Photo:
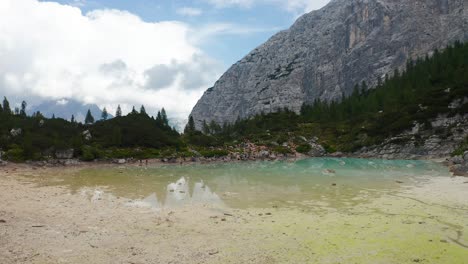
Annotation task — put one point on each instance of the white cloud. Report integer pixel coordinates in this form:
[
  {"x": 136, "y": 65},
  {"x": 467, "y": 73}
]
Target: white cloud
[
  {"x": 294, "y": 6},
  {"x": 189, "y": 11},
  {"x": 105, "y": 57}
]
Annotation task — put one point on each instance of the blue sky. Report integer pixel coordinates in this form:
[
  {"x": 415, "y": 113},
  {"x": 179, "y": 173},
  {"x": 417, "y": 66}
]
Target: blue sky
[{"x": 131, "y": 52}]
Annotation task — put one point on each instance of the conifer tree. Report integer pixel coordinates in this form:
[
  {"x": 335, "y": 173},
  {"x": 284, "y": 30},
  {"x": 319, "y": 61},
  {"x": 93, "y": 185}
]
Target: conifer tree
[
  {"x": 205, "y": 128},
  {"x": 72, "y": 119},
  {"x": 118, "y": 113},
  {"x": 190, "y": 127},
  {"x": 6, "y": 106},
  {"x": 142, "y": 110},
  {"x": 104, "y": 114},
  {"x": 164, "y": 118},
  {"x": 89, "y": 118},
  {"x": 134, "y": 111},
  {"x": 23, "y": 108}
]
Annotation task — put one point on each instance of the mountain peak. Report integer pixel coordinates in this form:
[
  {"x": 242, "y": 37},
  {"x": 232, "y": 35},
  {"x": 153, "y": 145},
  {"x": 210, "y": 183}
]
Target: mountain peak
[{"x": 327, "y": 52}]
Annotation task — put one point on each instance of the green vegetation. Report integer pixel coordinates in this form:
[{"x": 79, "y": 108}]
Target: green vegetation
[
  {"x": 367, "y": 116},
  {"x": 428, "y": 87},
  {"x": 35, "y": 137}
]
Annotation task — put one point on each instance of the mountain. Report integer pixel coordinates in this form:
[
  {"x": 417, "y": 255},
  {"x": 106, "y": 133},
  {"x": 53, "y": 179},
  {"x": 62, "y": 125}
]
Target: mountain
[
  {"x": 65, "y": 108},
  {"x": 327, "y": 52}
]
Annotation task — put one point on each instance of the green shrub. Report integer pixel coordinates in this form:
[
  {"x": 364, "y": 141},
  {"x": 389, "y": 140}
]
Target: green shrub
[
  {"x": 304, "y": 148},
  {"x": 462, "y": 148},
  {"x": 15, "y": 154},
  {"x": 282, "y": 150},
  {"x": 89, "y": 153}
]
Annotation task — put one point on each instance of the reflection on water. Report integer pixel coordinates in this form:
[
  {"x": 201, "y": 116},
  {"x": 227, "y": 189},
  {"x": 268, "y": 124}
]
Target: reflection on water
[
  {"x": 178, "y": 194},
  {"x": 312, "y": 183}
]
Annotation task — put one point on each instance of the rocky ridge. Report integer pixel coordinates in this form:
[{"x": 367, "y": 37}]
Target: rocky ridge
[{"x": 326, "y": 52}]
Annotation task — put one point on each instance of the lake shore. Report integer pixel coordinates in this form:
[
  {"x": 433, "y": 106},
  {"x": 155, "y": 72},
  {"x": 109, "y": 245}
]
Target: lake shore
[{"x": 45, "y": 223}]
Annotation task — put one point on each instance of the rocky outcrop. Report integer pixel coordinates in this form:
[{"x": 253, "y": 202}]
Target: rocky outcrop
[
  {"x": 439, "y": 141},
  {"x": 459, "y": 165},
  {"x": 64, "y": 154},
  {"x": 326, "y": 52},
  {"x": 14, "y": 132}
]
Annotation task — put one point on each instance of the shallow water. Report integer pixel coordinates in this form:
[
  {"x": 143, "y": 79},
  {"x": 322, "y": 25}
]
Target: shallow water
[
  {"x": 307, "y": 184},
  {"x": 321, "y": 210}
]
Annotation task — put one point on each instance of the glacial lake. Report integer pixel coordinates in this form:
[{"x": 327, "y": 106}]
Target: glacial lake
[
  {"x": 321, "y": 210},
  {"x": 305, "y": 184}
]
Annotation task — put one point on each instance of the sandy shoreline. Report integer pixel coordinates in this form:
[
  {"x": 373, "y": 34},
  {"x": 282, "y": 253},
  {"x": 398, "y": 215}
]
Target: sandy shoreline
[{"x": 48, "y": 224}]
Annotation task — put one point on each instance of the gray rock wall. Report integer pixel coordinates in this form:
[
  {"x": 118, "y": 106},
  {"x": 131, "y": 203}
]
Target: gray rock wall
[{"x": 326, "y": 52}]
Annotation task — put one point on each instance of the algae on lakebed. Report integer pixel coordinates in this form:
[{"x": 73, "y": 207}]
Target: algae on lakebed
[
  {"x": 309, "y": 211},
  {"x": 307, "y": 184}
]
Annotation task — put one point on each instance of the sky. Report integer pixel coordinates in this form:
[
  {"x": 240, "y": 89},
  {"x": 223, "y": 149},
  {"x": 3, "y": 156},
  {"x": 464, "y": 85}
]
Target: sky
[{"x": 159, "y": 53}]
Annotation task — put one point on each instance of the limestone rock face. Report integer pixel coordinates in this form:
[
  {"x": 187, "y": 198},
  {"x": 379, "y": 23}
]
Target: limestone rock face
[{"x": 326, "y": 52}]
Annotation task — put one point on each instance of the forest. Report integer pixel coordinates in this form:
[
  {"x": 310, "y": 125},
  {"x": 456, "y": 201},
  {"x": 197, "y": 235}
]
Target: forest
[{"x": 424, "y": 89}]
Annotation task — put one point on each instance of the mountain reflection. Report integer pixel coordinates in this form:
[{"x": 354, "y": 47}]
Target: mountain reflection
[{"x": 178, "y": 194}]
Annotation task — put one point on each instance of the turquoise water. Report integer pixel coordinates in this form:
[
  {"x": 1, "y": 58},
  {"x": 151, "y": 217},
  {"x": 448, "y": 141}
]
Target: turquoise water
[{"x": 307, "y": 184}]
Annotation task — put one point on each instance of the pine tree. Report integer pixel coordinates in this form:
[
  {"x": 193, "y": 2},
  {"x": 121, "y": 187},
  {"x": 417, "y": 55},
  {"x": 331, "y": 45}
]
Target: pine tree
[
  {"x": 142, "y": 110},
  {"x": 159, "y": 118},
  {"x": 190, "y": 127},
  {"x": 6, "y": 106},
  {"x": 134, "y": 112},
  {"x": 23, "y": 108},
  {"x": 104, "y": 114},
  {"x": 53, "y": 116},
  {"x": 205, "y": 128},
  {"x": 89, "y": 118},
  {"x": 164, "y": 118},
  {"x": 118, "y": 113},
  {"x": 72, "y": 119}
]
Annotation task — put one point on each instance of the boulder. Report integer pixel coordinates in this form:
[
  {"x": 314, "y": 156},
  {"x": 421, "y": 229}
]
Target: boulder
[
  {"x": 456, "y": 160},
  {"x": 64, "y": 154},
  {"x": 16, "y": 132},
  {"x": 87, "y": 135},
  {"x": 316, "y": 150},
  {"x": 120, "y": 161}
]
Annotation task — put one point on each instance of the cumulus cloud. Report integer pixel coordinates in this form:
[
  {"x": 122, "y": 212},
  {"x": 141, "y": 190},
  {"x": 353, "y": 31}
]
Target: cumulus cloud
[
  {"x": 189, "y": 11},
  {"x": 107, "y": 57}
]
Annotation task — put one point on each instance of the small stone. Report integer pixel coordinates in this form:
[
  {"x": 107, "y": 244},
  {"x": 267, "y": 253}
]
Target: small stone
[
  {"x": 2, "y": 221},
  {"x": 214, "y": 252}
]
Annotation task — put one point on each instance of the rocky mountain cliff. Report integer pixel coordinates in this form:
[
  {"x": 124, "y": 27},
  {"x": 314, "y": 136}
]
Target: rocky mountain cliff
[{"x": 326, "y": 52}]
